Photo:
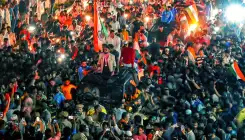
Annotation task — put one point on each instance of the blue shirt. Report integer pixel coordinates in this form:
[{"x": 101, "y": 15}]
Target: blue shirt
[
  {"x": 80, "y": 71},
  {"x": 174, "y": 12},
  {"x": 167, "y": 16},
  {"x": 59, "y": 98}
]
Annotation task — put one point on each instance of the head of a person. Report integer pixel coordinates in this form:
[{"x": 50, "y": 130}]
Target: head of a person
[
  {"x": 125, "y": 116},
  {"x": 169, "y": 8},
  {"x": 67, "y": 82},
  {"x": 106, "y": 48},
  {"x": 112, "y": 34},
  {"x": 111, "y": 47},
  {"x": 58, "y": 89},
  {"x": 188, "y": 127},
  {"x": 97, "y": 109},
  {"x": 161, "y": 28},
  {"x": 5, "y": 40},
  {"x": 84, "y": 64},
  {"x": 140, "y": 130},
  {"x": 8, "y": 29},
  {"x": 79, "y": 108},
  {"x": 167, "y": 51},
  {"x": 123, "y": 27}
]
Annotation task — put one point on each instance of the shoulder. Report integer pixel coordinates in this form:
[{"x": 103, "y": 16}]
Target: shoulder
[{"x": 112, "y": 55}]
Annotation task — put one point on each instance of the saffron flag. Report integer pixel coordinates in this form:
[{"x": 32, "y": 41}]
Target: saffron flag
[
  {"x": 191, "y": 55},
  {"x": 236, "y": 71},
  {"x": 96, "y": 36},
  {"x": 192, "y": 14}
]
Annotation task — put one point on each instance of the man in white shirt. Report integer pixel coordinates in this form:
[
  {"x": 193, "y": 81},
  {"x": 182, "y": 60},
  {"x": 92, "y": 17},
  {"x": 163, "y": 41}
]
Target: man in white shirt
[
  {"x": 115, "y": 24},
  {"x": 115, "y": 41}
]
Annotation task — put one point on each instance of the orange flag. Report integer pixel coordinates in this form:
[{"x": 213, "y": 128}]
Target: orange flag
[{"x": 96, "y": 22}]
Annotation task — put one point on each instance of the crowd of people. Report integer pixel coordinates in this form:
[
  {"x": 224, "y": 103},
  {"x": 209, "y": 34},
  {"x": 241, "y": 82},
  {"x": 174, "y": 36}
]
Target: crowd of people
[{"x": 191, "y": 82}]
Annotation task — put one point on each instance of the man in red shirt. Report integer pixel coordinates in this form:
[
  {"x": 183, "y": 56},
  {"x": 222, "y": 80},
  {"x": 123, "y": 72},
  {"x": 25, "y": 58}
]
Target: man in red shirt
[{"x": 128, "y": 55}]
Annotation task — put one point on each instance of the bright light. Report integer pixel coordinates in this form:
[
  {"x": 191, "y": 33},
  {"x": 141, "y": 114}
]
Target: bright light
[
  {"x": 59, "y": 59},
  {"x": 56, "y": 17},
  {"x": 62, "y": 56},
  {"x": 192, "y": 27},
  {"x": 234, "y": 13},
  {"x": 214, "y": 13},
  {"x": 87, "y": 17},
  {"x": 126, "y": 15},
  {"x": 102, "y": 19},
  {"x": 147, "y": 19},
  {"x": 85, "y": 4},
  {"x": 216, "y": 29},
  {"x": 72, "y": 33},
  {"x": 31, "y": 28},
  {"x": 131, "y": 2},
  {"x": 57, "y": 40}
]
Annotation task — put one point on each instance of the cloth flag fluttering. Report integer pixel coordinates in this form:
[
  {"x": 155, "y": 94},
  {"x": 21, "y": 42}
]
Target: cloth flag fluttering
[
  {"x": 192, "y": 14},
  {"x": 236, "y": 71}
]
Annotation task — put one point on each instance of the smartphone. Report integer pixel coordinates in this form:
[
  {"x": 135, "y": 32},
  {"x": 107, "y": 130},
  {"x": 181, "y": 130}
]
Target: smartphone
[
  {"x": 157, "y": 133},
  {"x": 54, "y": 121},
  {"x": 182, "y": 127},
  {"x": 107, "y": 129},
  {"x": 71, "y": 117},
  {"x": 17, "y": 96},
  {"x": 38, "y": 119},
  {"x": 23, "y": 120}
]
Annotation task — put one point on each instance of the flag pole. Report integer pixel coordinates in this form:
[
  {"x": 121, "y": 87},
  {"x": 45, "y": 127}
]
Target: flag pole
[{"x": 96, "y": 37}]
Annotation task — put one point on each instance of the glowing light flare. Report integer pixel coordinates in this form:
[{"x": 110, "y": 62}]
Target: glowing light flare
[
  {"x": 85, "y": 4},
  {"x": 216, "y": 29},
  {"x": 31, "y": 28},
  {"x": 62, "y": 56},
  {"x": 125, "y": 15},
  {"x": 69, "y": 10},
  {"x": 214, "y": 13},
  {"x": 131, "y": 2},
  {"x": 59, "y": 59},
  {"x": 87, "y": 17},
  {"x": 102, "y": 19},
  {"x": 192, "y": 28},
  {"x": 234, "y": 13},
  {"x": 57, "y": 40},
  {"x": 147, "y": 19}
]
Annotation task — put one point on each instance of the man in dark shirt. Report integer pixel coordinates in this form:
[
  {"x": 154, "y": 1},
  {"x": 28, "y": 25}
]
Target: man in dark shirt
[
  {"x": 161, "y": 38},
  {"x": 154, "y": 50},
  {"x": 22, "y": 9},
  {"x": 17, "y": 29},
  {"x": 137, "y": 23}
]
